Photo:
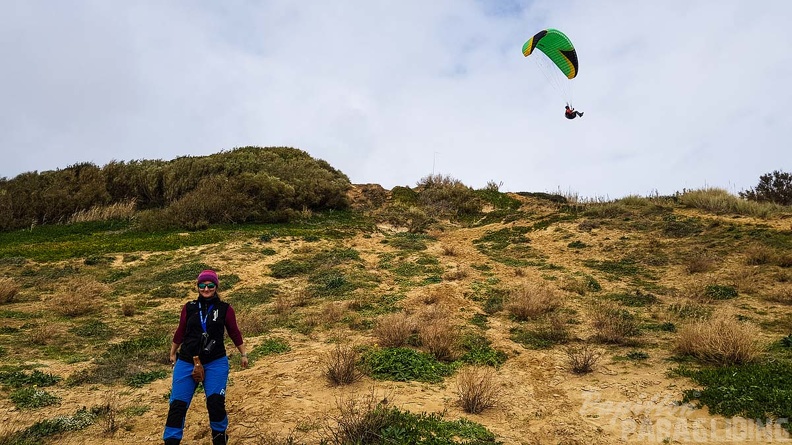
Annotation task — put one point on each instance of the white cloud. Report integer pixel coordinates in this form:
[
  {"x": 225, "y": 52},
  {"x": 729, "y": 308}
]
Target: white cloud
[{"x": 676, "y": 94}]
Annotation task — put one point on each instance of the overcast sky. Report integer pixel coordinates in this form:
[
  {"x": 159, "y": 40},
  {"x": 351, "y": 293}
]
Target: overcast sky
[{"x": 676, "y": 93}]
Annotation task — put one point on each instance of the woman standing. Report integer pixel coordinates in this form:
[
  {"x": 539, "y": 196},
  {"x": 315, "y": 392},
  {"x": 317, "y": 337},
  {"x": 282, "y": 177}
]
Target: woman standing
[{"x": 202, "y": 358}]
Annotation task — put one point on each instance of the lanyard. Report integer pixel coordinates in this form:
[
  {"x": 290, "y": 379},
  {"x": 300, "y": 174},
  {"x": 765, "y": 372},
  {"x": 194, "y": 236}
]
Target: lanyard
[{"x": 203, "y": 317}]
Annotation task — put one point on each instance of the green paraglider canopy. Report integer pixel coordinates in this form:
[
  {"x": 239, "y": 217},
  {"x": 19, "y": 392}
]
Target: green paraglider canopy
[{"x": 557, "y": 47}]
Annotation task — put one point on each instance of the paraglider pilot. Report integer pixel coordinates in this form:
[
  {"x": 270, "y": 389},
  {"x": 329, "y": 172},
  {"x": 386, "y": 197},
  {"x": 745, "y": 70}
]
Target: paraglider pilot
[{"x": 570, "y": 113}]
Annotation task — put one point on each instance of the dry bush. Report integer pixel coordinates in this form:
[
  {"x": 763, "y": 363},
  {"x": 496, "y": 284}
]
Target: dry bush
[
  {"x": 359, "y": 421},
  {"x": 477, "y": 388},
  {"x": 333, "y": 312},
  {"x": 8, "y": 290},
  {"x": 45, "y": 334},
  {"x": 582, "y": 359},
  {"x": 531, "y": 300},
  {"x": 394, "y": 330},
  {"x": 341, "y": 365},
  {"x": 459, "y": 273},
  {"x": 555, "y": 329},
  {"x": 109, "y": 412},
  {"x": 782, "y": 294},
  {"x": 722, "y": 340},
  {"x": 758, "y": 254},
  {"x": 440, "y": 338},
  {"x": 747, "y": 280},
  {"x": 253, "y": 322},
  {"x": 519, "y": 272},
  {"x": 282, "y": 306},
  {"x": 699, "y": 263},
  {"x": 450, "y": 250},
  {"x": 578, "y": 285},
  {"x": 128, "y": 308},
  {"x": 81, "y": 296},
  {"x": 614, "y": 324}
]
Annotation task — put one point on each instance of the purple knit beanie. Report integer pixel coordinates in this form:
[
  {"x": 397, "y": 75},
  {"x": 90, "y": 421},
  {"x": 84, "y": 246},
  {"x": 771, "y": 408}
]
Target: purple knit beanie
[{"x": 208, "y": 275}]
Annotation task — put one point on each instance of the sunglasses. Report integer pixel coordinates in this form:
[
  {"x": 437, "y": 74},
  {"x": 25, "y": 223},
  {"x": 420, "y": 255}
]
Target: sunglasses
[{"x": 206, "y": 286}]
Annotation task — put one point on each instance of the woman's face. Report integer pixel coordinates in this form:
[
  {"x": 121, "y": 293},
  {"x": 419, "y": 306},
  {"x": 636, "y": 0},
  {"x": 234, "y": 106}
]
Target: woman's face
[{"x": 206, "y": 289}]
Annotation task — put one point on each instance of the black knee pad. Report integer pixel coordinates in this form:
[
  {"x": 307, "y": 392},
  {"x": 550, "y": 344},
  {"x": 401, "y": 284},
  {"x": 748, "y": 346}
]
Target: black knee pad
[
  {"x": 176, "y": 414},
  {"x": 215, "y": 404}
]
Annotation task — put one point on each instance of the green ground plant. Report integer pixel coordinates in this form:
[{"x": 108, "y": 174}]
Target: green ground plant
[
  {"x": 404, "y": 365},
  {"x": 753, "y": 391}
]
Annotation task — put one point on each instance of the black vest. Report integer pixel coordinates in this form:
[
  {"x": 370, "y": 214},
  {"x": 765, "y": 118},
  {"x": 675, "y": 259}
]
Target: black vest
[{"x": 194, "y": 341}]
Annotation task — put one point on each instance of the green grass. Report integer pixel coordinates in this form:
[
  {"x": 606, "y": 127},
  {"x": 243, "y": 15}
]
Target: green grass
[
  {"x": 635, "y": 299},
  {"x": 386, "y": 425},
  {"x": 270, "y": 346},
  {"x": 144, "y": 378},
  {"x": 41, "y": 430},
  {"x": 404, "y": 365},
  {"x": 479, "y": 351},
  {"x": 720, "y": 292},
  {"x": 95, "y": 239},
  {"x": 32, "y": 398},
  {"x": 753, "y": 391},
  {"x": 19, "y": 378}
]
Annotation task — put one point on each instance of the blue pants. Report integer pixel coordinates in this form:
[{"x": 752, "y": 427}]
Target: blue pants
[{"x": 182, "y": 390}]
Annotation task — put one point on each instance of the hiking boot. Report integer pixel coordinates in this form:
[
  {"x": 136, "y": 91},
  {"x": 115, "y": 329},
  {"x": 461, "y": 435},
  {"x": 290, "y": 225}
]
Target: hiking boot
[{"x": 219, "y": 438}]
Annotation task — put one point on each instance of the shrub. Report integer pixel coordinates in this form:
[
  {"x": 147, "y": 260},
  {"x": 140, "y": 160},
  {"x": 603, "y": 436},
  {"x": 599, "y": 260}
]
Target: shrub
[
  {"x": 614, "y": 325},
  {"x": 582, "y": 359},
  {"x": 82, "y": 296},
  {"x": 373, "y": 421},
  {"x": 445, "y": 196},
  {"x": 775, "y": 187},
  {"x": 8, "y": 290},
  {"x": 394, "y": 330},
  {"x": 531, "y": 300},
  {"x": 404, "y": 365},
  {"x": 722, "y": 340},
  {"x": 341, "y": 365},
  {"x": 32, "y": 397},
  {"x": 782, "y": 294},
  {"x": 440, "y": 338},
  {"x": 698, "y": 263},
  {"x": 477, "y": 389}
]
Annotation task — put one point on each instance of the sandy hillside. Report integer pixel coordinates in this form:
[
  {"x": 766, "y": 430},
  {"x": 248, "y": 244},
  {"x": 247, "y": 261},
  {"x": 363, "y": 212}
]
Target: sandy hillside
[{"x": 542, "y": 401}]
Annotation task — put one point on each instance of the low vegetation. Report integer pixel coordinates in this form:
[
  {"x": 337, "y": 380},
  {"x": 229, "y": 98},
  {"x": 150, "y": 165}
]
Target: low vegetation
[{"x": 440, "y": 289}]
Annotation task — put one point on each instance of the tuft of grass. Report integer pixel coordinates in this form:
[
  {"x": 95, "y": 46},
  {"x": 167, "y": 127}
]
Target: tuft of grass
[
  {"x": 8, "y": 290},
  {"x": 82, "y": 297},
  {"x": 552, "y": 332},
  {"x": 721, "y": 340},
  {"x": 394, "y": 330},
  {"x": 531, "y": 300},
  {"x": 270, "y": 346},
  {"x": 615, "y": 325},
  {"x": 720, "y": 201},
  {"x": 477, "y": 389}
]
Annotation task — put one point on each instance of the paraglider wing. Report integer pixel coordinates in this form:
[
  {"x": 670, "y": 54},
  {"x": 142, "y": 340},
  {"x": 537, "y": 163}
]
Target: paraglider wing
[{"x": 557, "y": 47}]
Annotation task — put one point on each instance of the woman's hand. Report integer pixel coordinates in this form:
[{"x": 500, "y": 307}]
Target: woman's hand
[{"x": 244, "y": 360}]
